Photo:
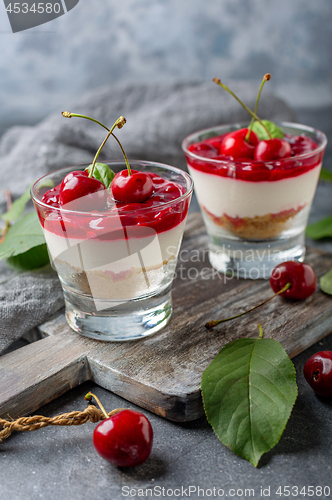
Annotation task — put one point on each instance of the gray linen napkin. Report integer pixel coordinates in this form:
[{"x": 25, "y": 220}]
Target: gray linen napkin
[{"x": 159, "y": 116}]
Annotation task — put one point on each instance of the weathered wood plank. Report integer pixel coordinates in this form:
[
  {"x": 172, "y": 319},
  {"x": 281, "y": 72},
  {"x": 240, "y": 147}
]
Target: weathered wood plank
[
  {"x": 38, "y": 373},
  {"x": 162, "y": 373}
]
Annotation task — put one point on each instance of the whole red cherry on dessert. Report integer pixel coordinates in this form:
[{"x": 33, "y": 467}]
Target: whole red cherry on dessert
[
  {"x": 235, "y": 145},
  {"x": 134, "y": 188},
  {"x": 301, "y": 276},
  {"x": 272, "y": 149},
  {"x": 318, "y": 373},
  {"x": 80, "y": 192},
  {"x": 125, "y": 439}
]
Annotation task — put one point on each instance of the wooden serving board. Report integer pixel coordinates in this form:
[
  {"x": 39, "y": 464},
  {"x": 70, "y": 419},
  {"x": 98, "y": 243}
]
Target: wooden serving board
[{"x": 162, "y": 373}]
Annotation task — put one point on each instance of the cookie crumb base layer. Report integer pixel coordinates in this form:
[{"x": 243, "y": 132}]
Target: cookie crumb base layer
[{"x": 258, "y": 227}]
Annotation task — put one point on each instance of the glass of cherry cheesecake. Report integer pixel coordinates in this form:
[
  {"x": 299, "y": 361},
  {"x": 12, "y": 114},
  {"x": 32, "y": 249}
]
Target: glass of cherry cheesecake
[
  {"x": 255, "y": 195},
  {"x": 115, "y": 259}
]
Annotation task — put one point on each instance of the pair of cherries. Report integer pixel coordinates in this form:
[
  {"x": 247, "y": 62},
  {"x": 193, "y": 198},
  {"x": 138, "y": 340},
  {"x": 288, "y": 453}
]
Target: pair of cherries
[
  {"x": 236, "y": 145},
  {"x": 318, "y": 368},
  {"x": 291, "y": 279},
  {"x": 134, "y": 188},
  {"x": 296, "y": 280},
  {"x": 129, "y": 186}
]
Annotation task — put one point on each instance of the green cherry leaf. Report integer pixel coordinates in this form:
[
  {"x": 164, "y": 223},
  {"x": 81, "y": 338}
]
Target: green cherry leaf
[
  {"x": 276, "y": 132},
  {"x": 326, "y": 282},
  {"x": 25, "y": 234},
  {"x": 103, "y": 173},
  {"x": 249, "y": 391},
  {"x": 32, "y": 259},
  {"x": 320, "y": 229},
  {"x": 17, "y": 207},
  {"x": 325, "y": 175}
]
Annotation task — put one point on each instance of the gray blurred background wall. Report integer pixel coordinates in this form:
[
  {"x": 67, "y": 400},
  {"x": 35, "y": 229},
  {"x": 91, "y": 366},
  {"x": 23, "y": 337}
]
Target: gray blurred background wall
[{"x": 108, "y": 41}]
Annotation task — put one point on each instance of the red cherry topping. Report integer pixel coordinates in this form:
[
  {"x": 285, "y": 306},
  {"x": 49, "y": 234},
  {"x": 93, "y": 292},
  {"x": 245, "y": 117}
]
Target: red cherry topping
[
  {"x": 318, "y": 373},
  {"x": 82, "y": 193},
  {"x": 235, "y": 145},
  {"x": 134, "y": 188},
  {"x": 125, "y": 439},
  {"x": 272, "y": 149},
  {"x": 301, "y": 277}
]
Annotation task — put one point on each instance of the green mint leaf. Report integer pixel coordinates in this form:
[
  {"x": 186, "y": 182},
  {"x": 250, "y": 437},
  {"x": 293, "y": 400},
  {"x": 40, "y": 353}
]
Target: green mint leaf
[
  {"x": 320, "y": 229},
  {"x": 103, "y": 173},
  {"x": 17, "y": 207},
  {"x": 26, "y": 233},
  {"x": 249, "y": 391},
  {"x": 276, "y": 132},
  {"x": 326, "y": 282},
  {"x": 32, "y": 259},
  {"x": 325, "y": 175}
]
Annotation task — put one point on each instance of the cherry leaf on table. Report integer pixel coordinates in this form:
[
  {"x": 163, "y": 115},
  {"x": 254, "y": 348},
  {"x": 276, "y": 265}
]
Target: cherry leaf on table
[
  {"x": 326, "y": 282},
  {"x": 325, "y": 175},
  {"x": 320, "y": 229},
  {"x": 17, "y": 207},
  {"x": 276, "y": 132},
  {"x": 31, "y": 259},
  {"x": 249, "y": 391},
  {"x": 102, "y": 173},
  {"x": 25, "y": 234}
]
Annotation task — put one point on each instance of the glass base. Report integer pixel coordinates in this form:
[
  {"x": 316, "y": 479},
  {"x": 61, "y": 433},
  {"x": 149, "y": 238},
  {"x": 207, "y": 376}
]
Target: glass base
[
  {"x": 116, "y": 322},
  {"x": 254, "y": 259}
]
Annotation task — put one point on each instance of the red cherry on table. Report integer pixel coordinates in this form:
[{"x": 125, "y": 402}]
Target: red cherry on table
[
  {"x": 125, "y": 439},
  {"x": 318, "y": 373},
  {"x": 301, "y": 276},
  {"x": 134, "y": 188},
  {"x": 82, "y": 193},
  {"x": 272, "y": 149},
  {"x": 235, "y": 145}
]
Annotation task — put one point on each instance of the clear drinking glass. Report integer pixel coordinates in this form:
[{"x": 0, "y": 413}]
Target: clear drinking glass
[
  {"x": 255, "y": 212},
  {"x": 116, "y": 267}
]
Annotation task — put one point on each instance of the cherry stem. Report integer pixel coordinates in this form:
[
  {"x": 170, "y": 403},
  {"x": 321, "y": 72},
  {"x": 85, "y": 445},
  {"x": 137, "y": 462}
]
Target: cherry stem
[
  {"x": 216, "y": 80},
  {"x": 4, "y": 231},
  {"x": 90, "y": 395},
  {"x": 260, "y": 336},
  {"x": 119, "y": 123},
  {"x": 211, "y": 324},
  {"x": 103, "y": 144},
  {"x": 9, "y": 200},
  {"x": 7, "y": 224},
  {"x": 124, "y": 154},
  {"x": 266, "y": 78},
  {"x": 68, "y": 114}
]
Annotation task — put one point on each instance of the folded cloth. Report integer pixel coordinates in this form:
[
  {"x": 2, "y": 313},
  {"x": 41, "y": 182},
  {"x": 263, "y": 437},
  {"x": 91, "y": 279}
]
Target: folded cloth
[{"x": 159, "y": 116}]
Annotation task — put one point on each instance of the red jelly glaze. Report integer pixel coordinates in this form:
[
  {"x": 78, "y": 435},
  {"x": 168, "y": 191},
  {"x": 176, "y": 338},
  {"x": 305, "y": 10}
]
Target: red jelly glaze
[
  {"x": 235, "y": 145},
  {"x": 154, "y": 213},
  {"x": 253, "y": 171},
  {"x": 318, "y": 373},
  {"x": 301, "y": 276},
  {"x": 134, "y": 188},
  {"x": 125, "y": 439}
]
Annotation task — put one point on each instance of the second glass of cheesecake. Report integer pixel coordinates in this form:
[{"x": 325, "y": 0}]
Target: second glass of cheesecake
[{"x": 255, "y": 212}]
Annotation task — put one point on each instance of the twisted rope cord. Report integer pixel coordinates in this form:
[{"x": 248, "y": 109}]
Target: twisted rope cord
[{"x": 36, "y": 422}]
